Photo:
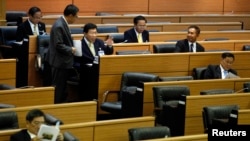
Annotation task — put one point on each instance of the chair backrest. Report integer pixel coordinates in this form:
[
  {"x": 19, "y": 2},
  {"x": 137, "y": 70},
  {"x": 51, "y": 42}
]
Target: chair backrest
[
  {"x": 216, "y": 91},
  {"x": 104, "y": 14},
  {"x": 52, "y": 120},
  {"x": 8, "y": 120},
  {"x": 217, "y": 115},
  {"x": 8, "y": 35},
  {"x": 107, "y": 29},
  {"x": 68, "y": 136},
  {"x": 129, "y": 52},
  {"x": 118, "y": 37},
  {"x": 42, "y": 47},
  {"x": 176, "y": 78},
  {"x": 198, "y": 72},
  {"x": 76, "y": 30},
  {"x": 169, "y": 95},
  {"x": 131, "y": 92},
  {"x": 246, "y": 87},
  {"x": 3, "y": 105},
  {"x": 6, "y": 87},
  {"x": 13, "y": 18},
  {"x": 246, "y": 47},
  {"x": 144, "y": 133},
  {"x": 164, "y": 48},
  {"x": 216, "y": 39}
]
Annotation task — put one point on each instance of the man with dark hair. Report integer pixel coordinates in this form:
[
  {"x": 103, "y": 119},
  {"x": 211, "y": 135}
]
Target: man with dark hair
[
  {"x": 61, "y": 52},
  {"x": 92, "y": 48},
  {"x": 222, "y": 70},
  {"x": 32, "y": 26},
  {"x": 138, "y": 33},
  {"x": 189, "y": 44},
  {"x": 34, "y": 119}
]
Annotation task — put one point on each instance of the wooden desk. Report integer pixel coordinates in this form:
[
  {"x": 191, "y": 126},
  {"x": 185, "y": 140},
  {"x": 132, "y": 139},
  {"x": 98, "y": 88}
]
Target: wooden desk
[
  {"x": 107, "y": 130},
  {"x": 69, "y": 112},
  {"x": 28, "y": 97},
  {"x": 8, "y": 71},
  {"x": 198, "y": 137},
  {"x": 243, "y": 116},
  {"x": 194, "y": 106}
]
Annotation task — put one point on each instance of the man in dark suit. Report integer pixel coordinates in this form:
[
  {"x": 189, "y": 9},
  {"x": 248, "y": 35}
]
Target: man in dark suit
[
  {"x": 92, "y": 48},
  {"x": 32, "y": 26},
  {"x": 34, "y": 119},
  {"x": 138, "y": 33},
  {"x": 61, "y": 52},
  {"x": 189, "y": 44},
  {"x": 223, "y": 69}
]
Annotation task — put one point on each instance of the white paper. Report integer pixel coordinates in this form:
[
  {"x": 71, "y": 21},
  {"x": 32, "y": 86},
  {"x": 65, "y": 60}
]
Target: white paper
[
  {"x": 78, "y": 46},
  {"x": 48, "y": 133},
  {"x": 231, "y": 75}
]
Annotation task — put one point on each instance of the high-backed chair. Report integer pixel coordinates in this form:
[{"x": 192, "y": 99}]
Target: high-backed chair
[
  {"x": 144, "y": 133},
  {"x": 246, "y": 87},
  {"x": 13, "y": 18},
  {"x": 198, "y": 72},
  {"x": 68, "y": 136},
  {"x": 163, "y": 48},
  {"x": 41, "y": 65},
  {"x": 8, "y": 120},
  {"x": 118, "y": 37},
  {"x": 166, "y": 107},
  {"x": 176, "y": 78},
  {"x": 246, "y": 47},
  {"x": 216, "y": 91},
  {"x": 3, "y": 105},
  {"x": 107, "y": 29},
  {"x": 52, "y": 120},
  {"x": 129, "y": 101},
  {"x": 218, "y": 115},
  {"x": 8, "y": 35},
  {"x": 76, "y": 30}
]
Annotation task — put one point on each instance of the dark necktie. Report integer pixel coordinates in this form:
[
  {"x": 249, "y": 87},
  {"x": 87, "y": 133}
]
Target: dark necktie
[{"x": 191, "y": 47}]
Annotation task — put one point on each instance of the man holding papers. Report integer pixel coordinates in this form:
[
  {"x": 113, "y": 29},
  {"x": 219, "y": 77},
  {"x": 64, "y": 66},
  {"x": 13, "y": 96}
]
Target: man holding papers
[
  {"x": 223, "y": 70},
  {"x": 34, "y": 119}
]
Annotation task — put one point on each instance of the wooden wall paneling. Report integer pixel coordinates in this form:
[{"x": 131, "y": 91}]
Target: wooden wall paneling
[
  {"x": 236, "y": 6},
  {"x": 2, "y": 12},
  {"x": 183, "y": 6}
]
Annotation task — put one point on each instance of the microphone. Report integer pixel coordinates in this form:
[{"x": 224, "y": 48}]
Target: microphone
[
  {"x": 123, "y": 42},
  {"x": 241, "y": 90}
]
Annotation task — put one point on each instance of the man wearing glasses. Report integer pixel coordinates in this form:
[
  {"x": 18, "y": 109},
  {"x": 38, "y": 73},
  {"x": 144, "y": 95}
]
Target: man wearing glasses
[
  {"x": 34, "y": 119},
  {"x": 137, "y": 34},
  {"x": 223, "y": 70}
]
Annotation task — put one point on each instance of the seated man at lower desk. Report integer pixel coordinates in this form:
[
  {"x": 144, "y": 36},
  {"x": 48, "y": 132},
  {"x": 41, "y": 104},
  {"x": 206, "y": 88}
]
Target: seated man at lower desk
[
  {"x": 223, "y": 70},
  {"x": 34, "y": 119}
]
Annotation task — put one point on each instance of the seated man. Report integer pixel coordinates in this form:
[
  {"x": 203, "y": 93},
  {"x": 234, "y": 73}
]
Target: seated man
[
  {"x": 223, "y": 70},
  {"x": 137, "y": 34},
  {"x": 34, "y": 119},
  {"x": 189, "y": 44}
]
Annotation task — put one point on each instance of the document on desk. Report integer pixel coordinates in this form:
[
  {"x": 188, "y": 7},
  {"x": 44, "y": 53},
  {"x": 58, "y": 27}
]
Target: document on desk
[
  {"x": 78, "y": 46},
  {"x": 48, "y": 133}
]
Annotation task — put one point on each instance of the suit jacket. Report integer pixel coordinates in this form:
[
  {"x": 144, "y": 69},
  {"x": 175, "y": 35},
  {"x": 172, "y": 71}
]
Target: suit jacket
[
  {"x": 60, "y": 47},
  {"x": 20, "y": 136},
  {"x": 24, "y": 30},
  {"x": 214, "y": 72},
  {"x": 131, "y": 37},
  {"x": 87, "y": 57},
  {"x": 183, "y": 46}
]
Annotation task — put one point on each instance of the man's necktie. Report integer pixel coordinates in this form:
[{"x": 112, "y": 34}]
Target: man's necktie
[
  {"x": 92, "y": 48},
  {"x": 225, "y": 73},
  {"x": 34, "y": 30},
  {"x": 191, "y": 47},
  {"x": 140, "y": 38}
]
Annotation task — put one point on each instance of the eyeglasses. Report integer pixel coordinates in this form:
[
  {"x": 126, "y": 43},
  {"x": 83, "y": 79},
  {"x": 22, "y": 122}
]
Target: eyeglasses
[
  {"x": 37, "y": 123},
  {"x": 141, "y": 26},
  {"x": 228, "y": 62},
  {"x": 37, "y": 18}
]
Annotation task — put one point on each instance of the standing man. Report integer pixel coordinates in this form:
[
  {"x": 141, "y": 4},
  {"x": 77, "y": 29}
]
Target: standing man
[
  {"x": 92, "y": 48},
  {"x": 137, "y": 34},
  {"x": 61, "y": 52},
  {"x": 189, "y": 44},
  {"x": 32, "y": 26}
]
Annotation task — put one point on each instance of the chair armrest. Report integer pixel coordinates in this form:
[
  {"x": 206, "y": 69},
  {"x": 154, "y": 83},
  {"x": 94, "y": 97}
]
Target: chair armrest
[{"x": 105, "y": 95}]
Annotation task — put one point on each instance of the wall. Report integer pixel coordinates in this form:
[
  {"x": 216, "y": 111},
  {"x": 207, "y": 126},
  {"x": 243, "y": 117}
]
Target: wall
[{"x": 88, "y": 7}]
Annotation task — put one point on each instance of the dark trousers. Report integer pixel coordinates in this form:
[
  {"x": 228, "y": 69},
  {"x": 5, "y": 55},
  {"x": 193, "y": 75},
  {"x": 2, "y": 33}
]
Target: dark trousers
[
  {"x": 59, "y": 80},
  {"x": 88, "y": 87}
]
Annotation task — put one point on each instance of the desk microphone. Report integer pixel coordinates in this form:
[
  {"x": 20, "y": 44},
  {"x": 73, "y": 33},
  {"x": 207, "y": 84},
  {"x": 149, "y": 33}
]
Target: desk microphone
[
  {"x": 241, "y": 90},
  {"x": 123, "y": 42}
]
